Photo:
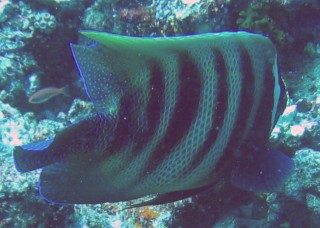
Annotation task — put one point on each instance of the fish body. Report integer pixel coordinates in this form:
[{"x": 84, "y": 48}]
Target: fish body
[
  {"x": 46, "y": 94},
  {"x": 175, "y": 116}
]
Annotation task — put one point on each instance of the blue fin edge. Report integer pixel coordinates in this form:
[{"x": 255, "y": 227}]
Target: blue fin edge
[{"x": 31, "y": 156}]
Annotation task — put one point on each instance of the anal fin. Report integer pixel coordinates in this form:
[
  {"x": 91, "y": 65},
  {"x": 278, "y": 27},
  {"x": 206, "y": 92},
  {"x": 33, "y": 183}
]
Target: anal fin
[{"x": 171, "y": 197}]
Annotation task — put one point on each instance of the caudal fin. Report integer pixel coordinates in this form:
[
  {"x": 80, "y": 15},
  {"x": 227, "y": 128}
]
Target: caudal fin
[
  {"x": 262, "y": 170},
  {"x": 65, "y": 90}
]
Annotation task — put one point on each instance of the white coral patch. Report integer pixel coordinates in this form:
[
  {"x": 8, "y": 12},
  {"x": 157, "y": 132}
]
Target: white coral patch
[
  {"x": 11, "y": 135},
  {"x": 297, "y": 130},
  {"x": 190, "y": 2}
]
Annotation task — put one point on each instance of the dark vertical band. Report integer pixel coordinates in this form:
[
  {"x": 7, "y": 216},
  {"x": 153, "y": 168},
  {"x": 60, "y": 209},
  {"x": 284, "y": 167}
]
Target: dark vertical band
[
  {"x": 155, "y": 106},
  {"x": 264, "y": 114},
  {"x": 246, "y": 102},
  {"x": 123, "y": 129},
  {"x": 186, "y": 108},
  {"x": 219, "y": 112}
]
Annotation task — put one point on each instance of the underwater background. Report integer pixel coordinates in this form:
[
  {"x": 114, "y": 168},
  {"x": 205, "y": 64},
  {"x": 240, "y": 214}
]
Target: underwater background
[{"x": 35, "y": 54}]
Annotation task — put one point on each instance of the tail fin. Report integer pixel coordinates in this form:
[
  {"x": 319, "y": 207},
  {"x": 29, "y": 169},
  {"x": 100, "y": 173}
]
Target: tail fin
[
  {"x": 65, "y": 90},
  {"x": 262, "y": 170}
]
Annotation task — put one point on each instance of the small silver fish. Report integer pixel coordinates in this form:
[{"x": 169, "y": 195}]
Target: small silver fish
[{"x": 46, "y": 94}]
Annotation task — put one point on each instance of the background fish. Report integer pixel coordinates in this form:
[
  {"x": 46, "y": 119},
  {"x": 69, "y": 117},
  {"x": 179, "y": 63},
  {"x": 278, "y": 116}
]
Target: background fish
[
  {"x": 46, "y": 94},
  {"x": 175, "y": 116}
]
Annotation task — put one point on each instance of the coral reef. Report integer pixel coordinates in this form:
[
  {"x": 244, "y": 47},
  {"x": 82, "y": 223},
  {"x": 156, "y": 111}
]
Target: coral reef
[
  {"x": 16, "y": 129},
  {"x": 297, "y": 202},
  {"x": 265, "y": 18},
  {"x": 157, "y": 18},
  {"x": 190, "y": 17},
  {"x": 305, "y": 178},
  {"x": 21, "y": 206},
  {"x": 278, "y": 20},
  {"x": 25, "y": 38},
  {"x": 299, "y": 126},
  {"x": 14, "y": 67},
  {"x": 79, "y": 110},
  {"x": 113, "y": 215},
  {"x": 100, "y": 16},
  {"x": 42, "y": 22}
]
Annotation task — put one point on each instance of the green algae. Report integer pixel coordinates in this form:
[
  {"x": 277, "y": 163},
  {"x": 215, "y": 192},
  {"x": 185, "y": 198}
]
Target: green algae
[{"x": 265, "y": 18}]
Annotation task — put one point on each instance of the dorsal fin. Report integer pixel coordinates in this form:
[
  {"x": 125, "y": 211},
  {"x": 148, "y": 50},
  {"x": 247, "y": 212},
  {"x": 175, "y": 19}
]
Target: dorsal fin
[
  {"x": 112, "y": 64},
  {"x": 159, "y": 45}
]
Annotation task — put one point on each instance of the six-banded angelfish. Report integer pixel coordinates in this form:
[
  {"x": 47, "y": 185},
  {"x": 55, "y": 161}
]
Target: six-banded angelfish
[{"x": 174, "y": 115}]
